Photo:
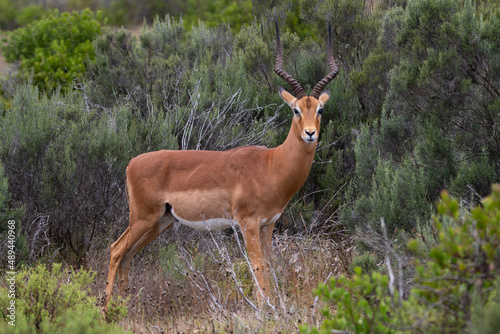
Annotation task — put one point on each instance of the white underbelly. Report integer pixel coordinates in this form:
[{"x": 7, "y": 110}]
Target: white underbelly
[
  {"x": 214, "y": 224},
  {"x": 211, "y": 224}
]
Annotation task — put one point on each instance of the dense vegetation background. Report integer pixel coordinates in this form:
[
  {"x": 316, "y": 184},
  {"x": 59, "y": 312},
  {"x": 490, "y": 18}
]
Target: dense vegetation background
[{"x": 414, "y": 110}]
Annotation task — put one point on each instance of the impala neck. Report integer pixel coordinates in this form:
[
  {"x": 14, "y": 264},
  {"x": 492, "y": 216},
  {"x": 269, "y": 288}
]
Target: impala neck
[{"x": 292, "y": 162}]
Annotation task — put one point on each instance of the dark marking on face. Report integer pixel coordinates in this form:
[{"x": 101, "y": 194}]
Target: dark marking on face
[{"x": 308, "y": 102}]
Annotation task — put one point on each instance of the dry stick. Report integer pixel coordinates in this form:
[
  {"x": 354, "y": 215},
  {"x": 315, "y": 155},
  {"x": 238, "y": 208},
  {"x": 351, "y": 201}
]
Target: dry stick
[
  {"x": 388, "y": 249},
  {"x": 340, "y": 332},
  {"x": 387, "y": 258},
  {"x": 158, "y": 328},
  {"x": 188, "y": 128}
]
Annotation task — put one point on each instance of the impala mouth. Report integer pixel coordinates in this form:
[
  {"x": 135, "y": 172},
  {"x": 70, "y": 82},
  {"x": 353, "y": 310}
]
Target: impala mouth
[{"x": 309, "y": 139}]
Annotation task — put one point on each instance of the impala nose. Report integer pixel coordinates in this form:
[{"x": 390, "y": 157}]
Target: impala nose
[{"x": 310, "y": 134}]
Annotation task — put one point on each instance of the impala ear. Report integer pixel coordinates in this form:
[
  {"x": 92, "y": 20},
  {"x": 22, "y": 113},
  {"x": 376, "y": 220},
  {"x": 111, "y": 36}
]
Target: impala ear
[
  {"x": 286, "y": 96},
  {"x": 324, "y": 97}
]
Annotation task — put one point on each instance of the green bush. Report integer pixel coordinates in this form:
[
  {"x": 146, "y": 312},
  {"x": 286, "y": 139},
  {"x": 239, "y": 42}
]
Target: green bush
[
  {"x": 236, "y": 13},
  {"x": 8, "y": 14},
  {"x": 437, "y": 91},
  {"x": 463, "y": 265},
  {"x": 31, "y": 13},
  {"x": 355, "y": 24},
  {"x": 434, "y": 152},
  {"x": 460, "y": 274},
  {"x": 73, "y": 162},
  {"x": 167, "y": 65},
  {"x": 6, "y": 211},
  {"x": 363, "y": 305},
  {"x": 372, "y": 81},
  {"x": 474, "y": 178},
  {"x": 16, "y": 245},
  {"x": 425, "y": 81},
  {"x": 367, "y": 262},
  {"x": 55, "y": 50},
  {"x": 485, "y": 317},
  {"x": 396, "y": 194},
  {"x": 54, "y": 301}
]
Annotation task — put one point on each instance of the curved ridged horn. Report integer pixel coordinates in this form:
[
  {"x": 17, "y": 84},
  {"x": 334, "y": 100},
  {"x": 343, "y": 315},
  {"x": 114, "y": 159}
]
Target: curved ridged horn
[
  {"x": 334, "y": 68},
  {"x": 297, "y": 88}
]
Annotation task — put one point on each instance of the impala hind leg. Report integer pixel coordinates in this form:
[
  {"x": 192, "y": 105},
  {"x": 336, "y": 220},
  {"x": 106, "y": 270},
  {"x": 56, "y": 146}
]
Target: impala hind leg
[
  {"x": 135, "y": 231},
  {"x": 117, "y": 248},
  {"x": 123, "y": 269}
]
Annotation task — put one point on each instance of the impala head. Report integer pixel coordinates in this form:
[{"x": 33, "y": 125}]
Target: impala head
[
  {"x": 306, "y": 114},
  {"x": 306, "y": 109}
]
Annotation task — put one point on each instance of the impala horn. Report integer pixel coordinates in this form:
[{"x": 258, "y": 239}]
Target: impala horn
[
  {"x": 297, "y": 88},
  {"x": 334, "y": 68}
]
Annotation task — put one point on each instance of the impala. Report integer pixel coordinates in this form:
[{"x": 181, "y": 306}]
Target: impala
[{"x": 206, "y": 190}]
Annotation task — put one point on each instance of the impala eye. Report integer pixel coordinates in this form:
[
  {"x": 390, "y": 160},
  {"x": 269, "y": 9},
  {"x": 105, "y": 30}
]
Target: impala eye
[
  {"x": 296, "y": 111},
  {"x": 320, "y": 110}
]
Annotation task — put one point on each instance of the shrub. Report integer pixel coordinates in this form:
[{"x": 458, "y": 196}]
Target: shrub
[
  {"x": 372, "y": 80},
  {"x": 463, "y": 265},
  {"x": 55, "y": 301},
  {"x": 54, "y": 50},
  {"x": 485, "y": 317},
  {"x": 363, "y": 305},
  {"x": 7, "y": 213},
  {"x": 437, "y": 112},
  {"x": 355, "y": 23},
  {"x": 434, "y": 152},
  {"x": 32, "y": 13},
  {"x": 73, "y": 164},
  {"x": 8, "y": 14},
  {"x": 460, "y": 275},
  {"x": 167, "y": 65},
  {"x": 235, "y": 13},
  {"x": 474, "y": 178},
  {"x": 366, "y": 261},
  {"x": 437, "y": 90},
  {"x": 396, "y": 194}
]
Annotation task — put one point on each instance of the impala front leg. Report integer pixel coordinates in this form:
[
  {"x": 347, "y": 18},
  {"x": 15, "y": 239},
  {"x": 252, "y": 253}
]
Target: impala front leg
[
  {"x": 266, "y": 236},
  {"x": 252, "y": 235}
]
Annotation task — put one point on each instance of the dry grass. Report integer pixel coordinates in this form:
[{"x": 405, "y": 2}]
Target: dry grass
[{"x": 199, "y": 282}]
